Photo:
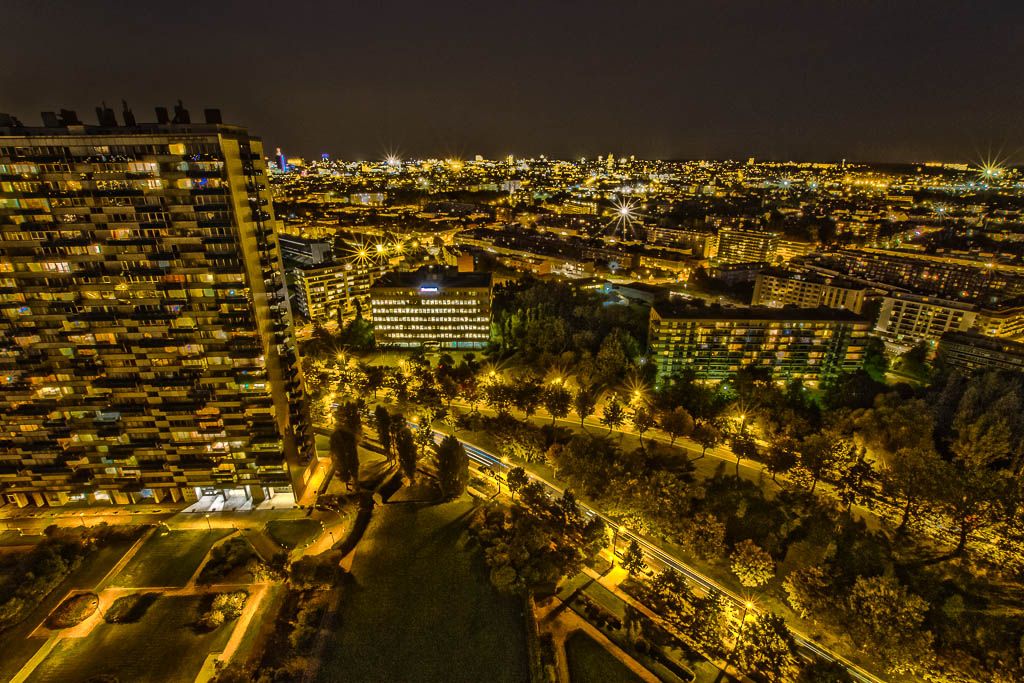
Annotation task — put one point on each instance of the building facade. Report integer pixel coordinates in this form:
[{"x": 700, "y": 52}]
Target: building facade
[
  {"x": 432, "y": 308},
  {"x": 145, "y": 338},
  {"x": 695, "y": 242},
  {"x": 977, "y": 352},
  {"x": 911, "y": 318},
  {"x": 941, "y": 275},
  {"x": 779, "y": 287},
  {"x": 746, "y": 246},
  {"x": 333, "y": 291},
  {"x": 714, "y": 343}
]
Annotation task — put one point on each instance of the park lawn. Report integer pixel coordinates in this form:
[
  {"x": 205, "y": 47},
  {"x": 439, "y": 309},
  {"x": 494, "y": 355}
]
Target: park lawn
[
  {"x": 162, "y": 647},
  {"x": 589, "y": 662},
  {"x": 291, "y": 533},
  {"x": 421, "y": 607},
  {"x": 18, "y": 647},
  {"x": 168, "y": 559}
]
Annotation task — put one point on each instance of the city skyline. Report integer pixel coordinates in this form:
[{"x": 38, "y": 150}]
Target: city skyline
[{"x": 787, "y": 82}]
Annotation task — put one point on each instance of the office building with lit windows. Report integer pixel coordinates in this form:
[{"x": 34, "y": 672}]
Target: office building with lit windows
[
  {"x": 432, "y": 308},
  {"x": 714, "y": 343},
  {"x": 145, "y": 338}
]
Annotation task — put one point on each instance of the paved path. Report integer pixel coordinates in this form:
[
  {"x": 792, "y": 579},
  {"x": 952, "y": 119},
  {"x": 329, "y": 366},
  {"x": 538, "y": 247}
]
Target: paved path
[{"x": 563, "y": 623}]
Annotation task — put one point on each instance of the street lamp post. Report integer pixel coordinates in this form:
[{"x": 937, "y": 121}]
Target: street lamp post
[
  {"x": 747, "y": 605},
  {"x": 615, "y": 539},
  {"x": 81, "y": 519},
  {"x": 208, "y": 525}
]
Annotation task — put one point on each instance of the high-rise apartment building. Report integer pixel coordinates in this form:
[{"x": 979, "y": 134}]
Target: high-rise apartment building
[
  {"x": 332, "y": 291},
  {"x": 432, "y": 307},
  {"x": 145, "y": 347},
  {"x": 714, "y": 343},
  {"x": 746, "y": 246}
]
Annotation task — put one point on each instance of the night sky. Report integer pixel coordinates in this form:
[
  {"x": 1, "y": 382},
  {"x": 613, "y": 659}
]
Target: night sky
[{"x": 885, "y": 81}]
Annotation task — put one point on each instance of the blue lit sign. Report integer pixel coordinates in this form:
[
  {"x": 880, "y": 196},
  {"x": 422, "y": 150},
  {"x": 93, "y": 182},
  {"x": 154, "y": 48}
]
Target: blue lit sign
[{"x": 426, "y": 288}]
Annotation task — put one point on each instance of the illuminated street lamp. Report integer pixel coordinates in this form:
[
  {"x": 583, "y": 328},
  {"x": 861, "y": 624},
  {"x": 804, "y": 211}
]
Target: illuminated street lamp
[
  {"x": 208, "y": 525},
  {"x": 615, "y": 538}
]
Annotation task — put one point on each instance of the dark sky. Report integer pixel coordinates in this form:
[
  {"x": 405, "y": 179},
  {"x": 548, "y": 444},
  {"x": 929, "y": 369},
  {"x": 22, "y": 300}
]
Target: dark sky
[{"x": 894, "y": 80}]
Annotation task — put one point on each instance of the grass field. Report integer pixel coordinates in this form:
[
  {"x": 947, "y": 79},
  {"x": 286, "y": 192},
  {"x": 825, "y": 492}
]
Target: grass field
[
  {"x": 168, "y": 559},
  {"x": 591, "y": 663},
  {"x": 18, "y": 648},
  {"x": 422, "y": 609},
  {"x": 291, "y": 533},
  {"x": 160, "y": 648}
]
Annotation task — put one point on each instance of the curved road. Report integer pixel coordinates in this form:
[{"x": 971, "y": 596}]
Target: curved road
[{"x": 804, "y": 644}]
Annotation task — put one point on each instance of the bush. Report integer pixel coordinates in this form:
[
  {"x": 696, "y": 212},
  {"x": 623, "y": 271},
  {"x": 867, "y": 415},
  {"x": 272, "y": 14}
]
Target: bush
[
  {"x": 130, "y": 608},
  {"x": 229, "y": 556},
  {"x": 74, "y": 610},
  {"x": 223, "y": 607}
]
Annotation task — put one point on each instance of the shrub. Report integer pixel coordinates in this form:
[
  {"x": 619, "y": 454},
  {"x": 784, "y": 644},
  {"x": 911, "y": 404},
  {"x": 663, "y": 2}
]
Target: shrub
[
  {"x": 72, "y": 611},
  {"x": 130, "y": 608}
]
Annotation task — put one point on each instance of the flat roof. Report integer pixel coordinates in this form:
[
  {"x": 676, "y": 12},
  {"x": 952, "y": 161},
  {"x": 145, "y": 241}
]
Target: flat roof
[
  {"x": 684, "y": 310},
  {"x": 443, "y": 277}
]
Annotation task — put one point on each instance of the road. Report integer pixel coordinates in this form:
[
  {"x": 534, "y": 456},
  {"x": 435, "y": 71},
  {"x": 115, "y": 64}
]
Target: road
[{"x": 804, "y": 644}]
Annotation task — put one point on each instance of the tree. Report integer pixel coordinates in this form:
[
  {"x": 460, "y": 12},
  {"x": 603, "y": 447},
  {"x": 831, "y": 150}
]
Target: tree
[
  {"x": 643, "y": 420},
  {"x": 751, "y": 564},
  {"x": 557, "y": 400},
  {"x": 499, "y": 396},
  {"x": 452, "y": 467},
  {"x": 676, "y": 423},
  {"x": 852, "y": 472},
  {"x": 349, "y": 416},
  {"x": 711, "y": 622},
  {"x": 448, "y": 389},
  {"x": 821, "y": 671},
  {"x": 375, "y": 375},
  {"x": 583, "y": 403},
  {"x": 613, "y": 414},
  {"x": 875, "y": 362},
  {"x": 707, "y": 435},
  {"x": 516, "y": 479},
  {"x": 970, "y": 495},
  {"x": 809, "y": 590},
  {"x": 424, "y": 435},
  {"x": 765, "y": 646},
  {"x": 704, "y": 535},
  {"x": 345, "y": 454},
  {"x": 743, "y": 447},
  {"x": 817, "y": 456},
  {"x": 633, "y": 558},
  {"x": 407, "y": 451},
  {"x": 382, "y": 418},
  {"x": 527, "y": 394},
  {"x": 781, "y": 456},
  {"x": 888, "y": 620}
]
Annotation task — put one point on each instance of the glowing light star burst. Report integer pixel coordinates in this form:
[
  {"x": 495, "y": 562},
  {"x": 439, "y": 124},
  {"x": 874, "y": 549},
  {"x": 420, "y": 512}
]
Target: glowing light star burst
[
  {"x": 365, "y": 252},
  {"x": 624, "y": 219},
  {"x": 990, "y": 169}
]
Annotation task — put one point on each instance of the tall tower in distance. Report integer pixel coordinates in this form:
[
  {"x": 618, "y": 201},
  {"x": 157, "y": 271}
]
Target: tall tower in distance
[{"x": 145, "y": 337}]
